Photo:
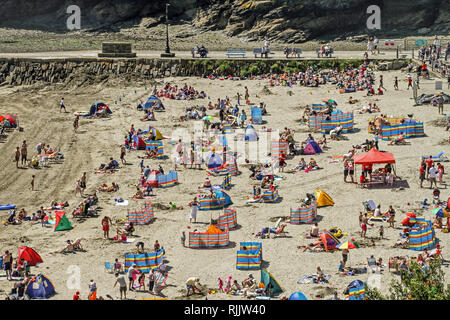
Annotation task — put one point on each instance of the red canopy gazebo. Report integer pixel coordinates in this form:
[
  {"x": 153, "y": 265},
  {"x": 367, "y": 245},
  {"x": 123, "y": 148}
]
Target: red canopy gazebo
[{"x": 373, "y": 156}]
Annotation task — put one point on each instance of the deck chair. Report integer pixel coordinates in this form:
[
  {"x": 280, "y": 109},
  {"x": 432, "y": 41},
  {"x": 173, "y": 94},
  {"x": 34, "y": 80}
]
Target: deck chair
[
  {"x": 280, "y": 231},
  {"x": 109, "y": 268},
  {"x": 440, "y": 157},
  {"x": 369, "y": 205}
]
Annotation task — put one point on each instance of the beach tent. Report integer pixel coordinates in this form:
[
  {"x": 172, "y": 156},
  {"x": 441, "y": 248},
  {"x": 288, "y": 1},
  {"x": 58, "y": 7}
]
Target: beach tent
[
  {"x": 62, "y": 223},
  {"x": 155, "y": 132},
  {"x": 356, "y": 290},
  {"x": 312, "y": 147},
  {"x": 98, "y": 106},
  {"x": 40, "y": 287},
  {"x": 250, "y": 134},
  {"x": 329, "y": 241},
  {"x": 153, "y": 178},
  {"x": 151, "y": 102},
  {"x": 297, "y": 296},
  {"x": 30, "y": 256},
  {"x": 213, "y": 160},
  {"x": 270, "y": 283},
  {"x": 220, "y": 193},
  {"x": 373, "y": 156},
  {"x": 256, "y": 115},
  {"x": 323, "y": 199},
  {"x": 11, "y": 119}
]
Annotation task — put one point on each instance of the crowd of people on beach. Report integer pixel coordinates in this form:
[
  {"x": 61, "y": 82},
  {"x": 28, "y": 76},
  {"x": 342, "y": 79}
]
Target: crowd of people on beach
[{"x": 349, "y": 79}]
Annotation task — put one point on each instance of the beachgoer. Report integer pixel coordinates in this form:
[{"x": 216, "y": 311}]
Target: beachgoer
[{"x": 120, "y": 279}]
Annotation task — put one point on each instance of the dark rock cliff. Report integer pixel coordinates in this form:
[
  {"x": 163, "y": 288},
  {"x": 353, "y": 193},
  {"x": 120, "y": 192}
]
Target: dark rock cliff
[{"x": 284, "y": 20}]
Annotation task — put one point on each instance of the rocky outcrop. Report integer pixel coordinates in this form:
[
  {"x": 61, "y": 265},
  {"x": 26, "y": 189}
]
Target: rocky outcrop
[{"x": 283, "y": 20}]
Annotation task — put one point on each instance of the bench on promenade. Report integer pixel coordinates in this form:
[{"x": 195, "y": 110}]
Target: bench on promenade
[
  {"x": 261, "y": 51},
  {"x": 292, "y": 52},
  {"x": 326, "y": 54},
  {"x": 196, "y": 51},
  {"x": 236, "y": 52}
]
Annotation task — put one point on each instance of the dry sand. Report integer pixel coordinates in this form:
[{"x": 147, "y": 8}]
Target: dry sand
[{"x": 97, "y": 140}]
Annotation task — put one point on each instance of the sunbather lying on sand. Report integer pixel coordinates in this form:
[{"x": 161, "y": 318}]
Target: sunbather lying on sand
[
  {"x": 404, "y": 243},
  {"x": 71, "y": 247},
  {"x": 313, "y": 247},
  {"x": 104, "y": 187},
  {"x": 149, "y": 154}
]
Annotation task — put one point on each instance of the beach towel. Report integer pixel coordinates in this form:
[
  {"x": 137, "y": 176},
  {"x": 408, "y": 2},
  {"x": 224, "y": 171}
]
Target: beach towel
[
  {"x": 253, "y": 200},
  {"x": 307, "y": 279},
  {"x": 124, "y": 203},
  {"x": 129, "y": 240}
]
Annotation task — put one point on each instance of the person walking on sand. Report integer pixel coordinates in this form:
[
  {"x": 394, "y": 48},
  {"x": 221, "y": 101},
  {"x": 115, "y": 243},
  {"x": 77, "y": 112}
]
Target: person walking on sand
[
  {"x": 381, "y": 83},
  {"x": 7, "y": 264},
  {"x": 92, "y": 288},
  {"x": 78, "y": 188},
  {"x": 17, "y": 156},
  {"x": 246, "y": 96},
  {"x": 106, "y": 221},
  {"x": 432, "y": 173},
  {"x": 345, "y": 253},
  {"x": 32, "y": 183},
  {"x": 131, "y": 273},
  {"x": 396, "y": 83},
  {"x": 75, "y": 123},
  {"x": 183, "y": 239},
  {"x": 83, "y": 183},
  {"x": 120, "y": 279},
  {"x": 24, "y": 152},
  {"x": 151, "y": 281},
  {"x": 122, "y": 154},
  {"x": 62, "y": 106},
  {"x": 194, "y": 208},
  {"x": 364, "y": 226}
]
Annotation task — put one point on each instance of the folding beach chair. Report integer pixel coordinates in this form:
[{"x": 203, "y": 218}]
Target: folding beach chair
[
  {"x": 369, "y": 205},
  {"x": 109, "y": 268}
]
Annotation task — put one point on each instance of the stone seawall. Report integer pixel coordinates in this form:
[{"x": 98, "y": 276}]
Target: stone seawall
[{"x": 23, "y": 71}]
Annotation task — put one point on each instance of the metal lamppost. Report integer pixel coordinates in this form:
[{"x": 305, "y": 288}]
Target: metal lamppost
[{"x": 167, "y": 53}]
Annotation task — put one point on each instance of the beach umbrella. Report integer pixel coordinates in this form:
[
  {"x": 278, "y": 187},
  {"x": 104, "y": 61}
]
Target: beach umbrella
[
  {"x": 347, "y": 245},
  {"x": 330, "y": 101},
  {"x": 440, "y": 212},
  {"x": 207, "y": 118},
  {"x": 410, "y": 215},
  {"x": 297, "y": 296}
]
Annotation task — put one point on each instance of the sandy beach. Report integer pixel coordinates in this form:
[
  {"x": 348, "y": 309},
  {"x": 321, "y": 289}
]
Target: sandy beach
[{"x": 97, "y": 140}]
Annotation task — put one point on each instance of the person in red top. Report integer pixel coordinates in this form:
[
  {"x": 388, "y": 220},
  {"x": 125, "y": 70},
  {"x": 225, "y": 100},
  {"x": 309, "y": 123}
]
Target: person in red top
[
  {"x": 76, "y": 296},
  {"x": 430, "y": 163},
  {"x": 409, "y": 82}
]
